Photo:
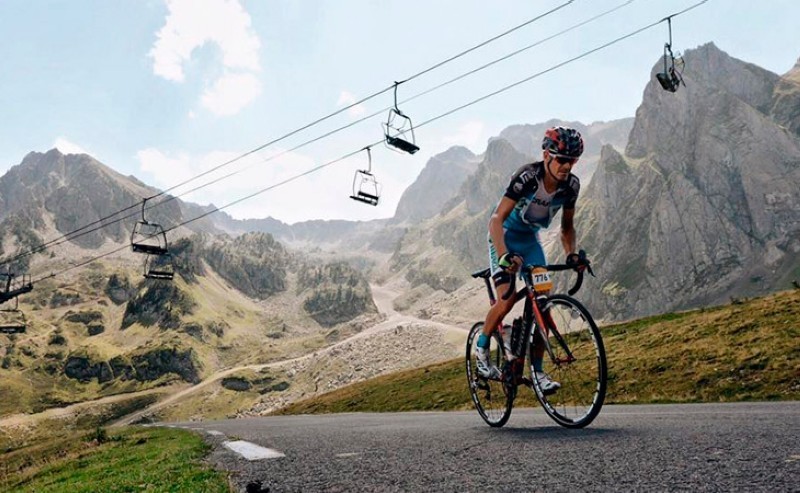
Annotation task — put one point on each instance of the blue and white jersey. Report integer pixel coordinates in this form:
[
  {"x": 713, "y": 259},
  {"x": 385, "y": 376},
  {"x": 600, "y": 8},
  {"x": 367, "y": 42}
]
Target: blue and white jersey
[{"x": 536, "y": 207}]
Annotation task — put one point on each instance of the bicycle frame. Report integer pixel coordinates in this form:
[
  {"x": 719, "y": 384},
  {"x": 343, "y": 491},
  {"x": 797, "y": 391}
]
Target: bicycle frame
[
  {"x": 534, "y": 318},
  {"x": 534, "y": 315}
]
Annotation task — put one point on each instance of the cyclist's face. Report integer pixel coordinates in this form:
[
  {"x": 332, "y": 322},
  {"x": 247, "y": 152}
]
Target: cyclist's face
[{"x": 560, "y": 167}]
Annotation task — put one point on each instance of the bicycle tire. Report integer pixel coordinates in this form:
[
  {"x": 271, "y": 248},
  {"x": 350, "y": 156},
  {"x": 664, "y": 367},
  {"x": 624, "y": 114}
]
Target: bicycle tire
[
  {"x": 583, "y": 381},
  {"x": 492, "y": 399}
]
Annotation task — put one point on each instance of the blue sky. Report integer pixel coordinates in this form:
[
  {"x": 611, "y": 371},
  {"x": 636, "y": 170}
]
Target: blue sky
[{"x": 164, "y": 90}]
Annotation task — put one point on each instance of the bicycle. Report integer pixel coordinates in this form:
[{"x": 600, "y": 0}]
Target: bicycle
[{"x": 573, "y": 347}]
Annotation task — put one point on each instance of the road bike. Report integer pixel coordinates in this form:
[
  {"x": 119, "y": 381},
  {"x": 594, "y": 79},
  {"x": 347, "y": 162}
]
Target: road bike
[{"x": 573, "y": 348}]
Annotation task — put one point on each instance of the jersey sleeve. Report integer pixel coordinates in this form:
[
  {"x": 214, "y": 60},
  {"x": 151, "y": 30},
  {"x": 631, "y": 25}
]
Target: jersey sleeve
[
  {"x": 521, "y": 180},
  {"x": 573, "y": 189}
]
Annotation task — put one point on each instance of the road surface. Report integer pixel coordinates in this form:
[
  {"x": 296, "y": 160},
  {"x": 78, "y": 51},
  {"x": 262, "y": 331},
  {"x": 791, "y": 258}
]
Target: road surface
[{"x": 697, "y": 447}]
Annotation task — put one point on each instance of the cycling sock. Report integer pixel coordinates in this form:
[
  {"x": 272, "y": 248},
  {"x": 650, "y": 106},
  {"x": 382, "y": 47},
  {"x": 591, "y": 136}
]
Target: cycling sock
[
  {"x": 483, "y": 341},
  {"x": 537, "y": 363}
]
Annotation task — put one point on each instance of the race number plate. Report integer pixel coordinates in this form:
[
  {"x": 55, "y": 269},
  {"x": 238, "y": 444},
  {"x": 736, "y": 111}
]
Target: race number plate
[{"x": 541, "y": 280}]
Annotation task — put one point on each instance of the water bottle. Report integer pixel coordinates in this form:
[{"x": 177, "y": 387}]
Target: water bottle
[{"x": 516, "y": 337}]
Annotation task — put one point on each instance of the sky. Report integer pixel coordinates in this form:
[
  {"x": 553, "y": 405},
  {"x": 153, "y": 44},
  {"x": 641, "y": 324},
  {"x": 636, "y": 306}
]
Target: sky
[{"x": 167, "y": 89}]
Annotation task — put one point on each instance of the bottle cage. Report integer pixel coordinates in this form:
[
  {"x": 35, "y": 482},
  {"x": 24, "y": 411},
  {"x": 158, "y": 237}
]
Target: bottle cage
[
  {"x": 670, "y": 79},
  {"x": 148, "y": 237},
  {"x": 365, "y": 187},
  {"x": 397, "y": 127}
]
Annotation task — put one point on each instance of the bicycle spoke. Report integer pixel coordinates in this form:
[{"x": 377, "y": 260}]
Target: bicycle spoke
[{"x": 578, "y": 364}]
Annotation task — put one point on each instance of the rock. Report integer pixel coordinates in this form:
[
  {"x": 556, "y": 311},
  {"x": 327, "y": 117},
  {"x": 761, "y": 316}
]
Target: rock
[{"x": 236, "y": 383}]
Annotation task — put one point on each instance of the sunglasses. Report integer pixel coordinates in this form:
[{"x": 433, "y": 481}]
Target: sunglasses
[{"x": 564, "y": 159}]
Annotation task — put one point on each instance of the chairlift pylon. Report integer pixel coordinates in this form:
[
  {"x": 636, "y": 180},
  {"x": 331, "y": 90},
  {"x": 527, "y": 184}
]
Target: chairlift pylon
[
  {"x": 148, "y": 237},
  {"x": 670, "y": 79},
  {"x": 159, "y": 267},
  {"x": 365, "y": 187},
  {"x": 398, "y": 125}
]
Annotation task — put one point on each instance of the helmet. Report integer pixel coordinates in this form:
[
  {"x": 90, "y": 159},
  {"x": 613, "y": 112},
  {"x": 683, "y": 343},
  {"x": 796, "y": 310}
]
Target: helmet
[{"x": 561, "y": 141}]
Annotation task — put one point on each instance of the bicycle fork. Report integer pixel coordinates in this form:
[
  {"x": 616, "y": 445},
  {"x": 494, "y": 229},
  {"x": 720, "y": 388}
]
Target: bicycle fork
[{"x": 546, "y": 326}]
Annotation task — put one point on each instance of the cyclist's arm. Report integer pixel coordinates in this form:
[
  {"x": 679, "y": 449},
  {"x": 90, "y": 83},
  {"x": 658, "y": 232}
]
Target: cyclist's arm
[
  {"x": 568, "y": 236},
  {"x": 500, "y": 214}
]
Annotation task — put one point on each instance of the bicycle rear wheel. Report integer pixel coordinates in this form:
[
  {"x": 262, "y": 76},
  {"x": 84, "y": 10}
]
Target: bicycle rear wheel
[
  {"x": 491, "y": 397},
  {"x": 583, "y": 374}
]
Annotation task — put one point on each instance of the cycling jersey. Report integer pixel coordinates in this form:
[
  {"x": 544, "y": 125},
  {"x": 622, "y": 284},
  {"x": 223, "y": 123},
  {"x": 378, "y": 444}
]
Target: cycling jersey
[
  {"x": 534, "y": 209},
  {"x": 535, "y": 206}
]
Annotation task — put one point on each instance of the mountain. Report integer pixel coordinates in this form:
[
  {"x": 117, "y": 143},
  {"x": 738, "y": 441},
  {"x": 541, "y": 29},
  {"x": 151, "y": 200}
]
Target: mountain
[
  {"x": 51, "y": 194},
  {"x": 102, "y": 329},
  {"x": 439, "y": 180},
  {"x": 786, "y": 100},
  {"x": 704, "y": 204}
]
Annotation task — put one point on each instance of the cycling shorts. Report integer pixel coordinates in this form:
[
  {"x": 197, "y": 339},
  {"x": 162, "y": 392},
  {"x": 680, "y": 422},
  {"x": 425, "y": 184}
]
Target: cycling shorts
[{"x": 525, "y": 244}]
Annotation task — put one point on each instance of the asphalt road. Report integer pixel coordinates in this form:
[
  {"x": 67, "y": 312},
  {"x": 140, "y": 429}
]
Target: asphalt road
[{"x": 701, "y": 447}]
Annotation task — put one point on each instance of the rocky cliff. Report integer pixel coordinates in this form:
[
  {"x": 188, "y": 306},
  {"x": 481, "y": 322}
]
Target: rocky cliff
[
  {"x": 704, "y": 204},
  {"x": 439, "y": 180}
]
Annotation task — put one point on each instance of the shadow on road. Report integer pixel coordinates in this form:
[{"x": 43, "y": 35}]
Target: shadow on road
[{"x": 560, "y": 434}]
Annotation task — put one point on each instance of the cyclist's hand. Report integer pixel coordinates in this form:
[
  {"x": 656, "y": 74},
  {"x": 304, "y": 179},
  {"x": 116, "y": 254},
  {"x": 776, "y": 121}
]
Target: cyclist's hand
[
  {"x": 510, "y": 262},
  {"x": 578, "y": 261}
]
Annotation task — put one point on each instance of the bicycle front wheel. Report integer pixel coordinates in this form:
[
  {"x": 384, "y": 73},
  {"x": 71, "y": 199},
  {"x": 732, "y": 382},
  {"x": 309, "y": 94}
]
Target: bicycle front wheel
[
  {"x": 579, "y": 363},
  {"x": 491, "y": 397}
]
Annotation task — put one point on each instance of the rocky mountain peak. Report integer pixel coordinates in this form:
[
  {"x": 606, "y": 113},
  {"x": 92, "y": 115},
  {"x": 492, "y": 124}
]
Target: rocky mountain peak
[
  {"x": 715, "y": 82},
  {"x": 436, "y": 184},
  {"x": 794, "y": 73},
  {"x": 704, "y": 202}
]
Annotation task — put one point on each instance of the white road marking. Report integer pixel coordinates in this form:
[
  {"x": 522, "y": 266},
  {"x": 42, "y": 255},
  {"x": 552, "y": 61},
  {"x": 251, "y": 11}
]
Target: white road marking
[
  {"x": 251, "y": 451},
  {"x": 215, "y": 433},
  {"x": 348, "y": 454}
]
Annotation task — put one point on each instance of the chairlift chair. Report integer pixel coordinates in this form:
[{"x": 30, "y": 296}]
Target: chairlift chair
[
  {"x": 12, "y": 320},
  {"x": 670, "y": 79},
  {"x": 398, "y": 125},
  {"x": 365, "y": 187},
  {"x": 159, "y": 267},
  {"x": 148, "y": 237},
  {"x": 11, "y": 289}
]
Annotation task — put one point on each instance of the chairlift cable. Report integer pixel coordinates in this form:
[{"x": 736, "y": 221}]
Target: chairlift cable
[
  {"x": 530, "y": 21},
  {"x": 431, "y": 120},
  {"x": 382, "y": 111},
  {"x": 72, "y": 234}
]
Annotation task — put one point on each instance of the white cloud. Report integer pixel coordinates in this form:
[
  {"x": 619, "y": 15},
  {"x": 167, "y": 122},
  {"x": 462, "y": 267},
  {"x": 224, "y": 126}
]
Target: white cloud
[
  {"x": 230, "y": 93},
  {"x": 472, "y": 135},
  {"x": 67, "y": 147},
  {"x": 346, "y": 99},
  {"x": 191, "y": 24}
]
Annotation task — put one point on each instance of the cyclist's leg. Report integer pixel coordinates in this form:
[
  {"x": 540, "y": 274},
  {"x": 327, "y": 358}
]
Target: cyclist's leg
[
  {"x": 534, "y": 255},
  {"x": 502, "y": 280}
]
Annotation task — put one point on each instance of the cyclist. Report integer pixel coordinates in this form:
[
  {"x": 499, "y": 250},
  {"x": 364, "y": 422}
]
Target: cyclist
[{"x": 537, "y": 191}]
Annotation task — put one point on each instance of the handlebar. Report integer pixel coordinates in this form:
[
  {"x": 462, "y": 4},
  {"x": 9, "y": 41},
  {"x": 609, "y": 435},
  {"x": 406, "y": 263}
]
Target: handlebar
[{"x": 553, "y": 268}]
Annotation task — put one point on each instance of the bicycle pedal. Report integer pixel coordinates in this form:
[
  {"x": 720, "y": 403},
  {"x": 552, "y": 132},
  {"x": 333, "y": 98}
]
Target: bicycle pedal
[{"x": 481, "y": 384}]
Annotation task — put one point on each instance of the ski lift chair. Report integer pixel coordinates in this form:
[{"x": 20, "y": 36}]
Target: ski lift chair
[
  {"x": 12, "y": 320},
  {"x": 12, "y": 289},
  {"x": 159, "y": 267},
  {"x": 398, "y": 125},
  {"x": 365, "y": 187},
  {"x": 670, "y": 79},
  {"x": 148, "y": 237}
]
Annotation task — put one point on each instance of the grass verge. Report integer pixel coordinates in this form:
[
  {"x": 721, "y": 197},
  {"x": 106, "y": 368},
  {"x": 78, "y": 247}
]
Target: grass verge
[
  {"x": 747, "y": 350},
  {"x": 130, "y": 459}
]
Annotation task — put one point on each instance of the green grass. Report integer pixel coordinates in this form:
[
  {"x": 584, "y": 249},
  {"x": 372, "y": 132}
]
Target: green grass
[
  {"x": 738, "y": 352},
  {"x": 129, "y": 459}
]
